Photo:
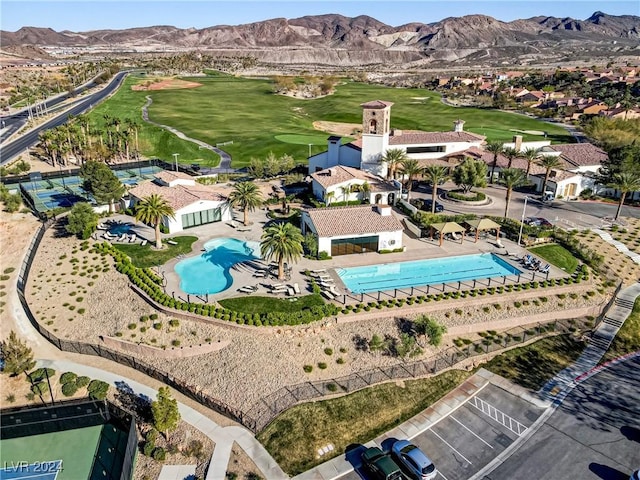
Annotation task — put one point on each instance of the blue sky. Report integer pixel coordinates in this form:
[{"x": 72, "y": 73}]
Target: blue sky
[{"x": 110, "y": 14}]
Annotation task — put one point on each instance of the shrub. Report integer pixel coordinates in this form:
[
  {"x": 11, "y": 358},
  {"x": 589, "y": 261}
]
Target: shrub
[
  {"x": 328, "y": 351},
  {"x": 40, "y": 374},
  {"x": 157, "y": 325},
  {"x": 194, "y": 449},
  {"x": 69, "y": 389},
  {"x": 147, "y": 448},
  {"x": 431, "y": 328},
  {"x": 132, "y": 326},
  {"x": 153, "y": 316},
  {"x": 40, "y": 388},
  {"x": 173, "y": 322},
  {"x": 10, "y": 398},
  {"x": 67, "y": 377},
  {"x": 144, "y": 318},
  {"x": 82, "y": 381},
  {"x": 159, "y": 454},
  {"x": 322, "y": 365},
  {"x": 175, "y": 343},
  {"x": 340, "y": 361},
  {"x": 307, "y": 368},
  {"x": 98, "y": 389},
  {"x": 332, "y": 387}
]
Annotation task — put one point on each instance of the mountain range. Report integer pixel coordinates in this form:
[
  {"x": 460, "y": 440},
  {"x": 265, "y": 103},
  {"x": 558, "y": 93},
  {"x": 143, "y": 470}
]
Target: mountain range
[{"x": 333, "y": 39}]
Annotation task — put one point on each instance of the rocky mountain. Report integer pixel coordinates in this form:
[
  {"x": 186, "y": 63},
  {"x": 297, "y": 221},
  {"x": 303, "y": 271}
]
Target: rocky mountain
[{"x": 335, "y": 38}]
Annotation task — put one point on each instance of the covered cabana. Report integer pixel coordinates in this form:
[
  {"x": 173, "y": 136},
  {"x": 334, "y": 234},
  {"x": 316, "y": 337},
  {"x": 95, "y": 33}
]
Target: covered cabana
[
  {"x": 484, "y": 224},
  {"x": 452, "y": 228}
]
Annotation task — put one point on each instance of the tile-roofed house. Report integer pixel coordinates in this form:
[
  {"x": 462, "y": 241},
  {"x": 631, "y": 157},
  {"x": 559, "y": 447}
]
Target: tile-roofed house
[
  {"x": 413, "y": 137},
  {"x": 193, "y": 204},
  {"x": 340, "y": 183},
  {"x": 581, "y": 156},
  {"x": 376, "y": 104},
  {"x": 357, "y": 229}
]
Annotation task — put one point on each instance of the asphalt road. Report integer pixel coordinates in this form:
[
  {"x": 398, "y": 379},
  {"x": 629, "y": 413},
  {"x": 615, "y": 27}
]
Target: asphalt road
[
  {"x": 15, "y": 148},
  {"x": 595, "y": 434}
]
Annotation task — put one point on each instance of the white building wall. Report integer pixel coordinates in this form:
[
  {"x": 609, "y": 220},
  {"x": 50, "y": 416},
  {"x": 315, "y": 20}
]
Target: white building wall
[
  {"x": 348, "y": 157},
  {"x": 175, "y": 224},
  {"x": 374, "y": 147},
  {"x": 386, "y": 240},
  {"x": 526, "y": 145}
]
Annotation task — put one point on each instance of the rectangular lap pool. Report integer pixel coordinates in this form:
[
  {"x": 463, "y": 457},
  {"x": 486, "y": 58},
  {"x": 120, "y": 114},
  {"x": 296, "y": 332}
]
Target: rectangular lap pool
[{"x": 388, "y": 276}]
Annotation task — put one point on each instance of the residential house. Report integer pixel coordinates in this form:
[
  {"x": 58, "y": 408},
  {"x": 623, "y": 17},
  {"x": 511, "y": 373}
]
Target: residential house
[
  {"x": 355, "y": 229},
  {"x": 193, "y": 204},
  {"x": 620, "y": 112},
  {"x": 344, "y": 184}
]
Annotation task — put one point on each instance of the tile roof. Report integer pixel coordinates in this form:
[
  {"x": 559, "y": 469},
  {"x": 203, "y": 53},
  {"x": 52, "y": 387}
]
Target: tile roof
[
  {"x": 357, "y": 220},
  {"x": 179, "y": 196},
  {"x": 581, "y": 154},
  {"x": 340, "y": 174},
  {"x": 416, "y": 137},
  {"x": 376, "y": 104},
  {"x": 169, "y": 176},
  {"x": 503, "y": 161}
]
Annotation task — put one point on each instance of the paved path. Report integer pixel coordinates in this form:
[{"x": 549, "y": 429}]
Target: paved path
[{"x": 225, "y": 158}]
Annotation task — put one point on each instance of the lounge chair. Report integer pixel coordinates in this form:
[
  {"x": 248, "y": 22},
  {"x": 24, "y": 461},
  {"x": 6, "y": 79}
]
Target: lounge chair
[
  {"x": 545, "y": 269},
  {"x": 106, "y": 236},
  {"x": 296, "y": 288},
  {"x": 291, "y": 292},
  {"x": 320, "y": 270},
  {"x": 260, "y": 273},
  {"x": 171, "y": 242},
  {"x": 455, "y": 236},
  {"x": 248, "y": 289},
  {"x": 102, "y": 226},
  {"x": 333, "y": 290},
  {"x": 328, "y": 295},
  {"x": 123, "y": 237},
  {"x": 143, "y": 243},
  {"x": 132, "y": 238}
]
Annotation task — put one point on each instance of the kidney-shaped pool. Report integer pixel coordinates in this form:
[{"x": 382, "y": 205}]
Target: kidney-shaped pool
[{"x": 210, "y": 271}]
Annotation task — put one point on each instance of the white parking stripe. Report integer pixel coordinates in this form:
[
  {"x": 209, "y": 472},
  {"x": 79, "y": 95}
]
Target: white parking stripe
[
  {"x": 470, "y": 431},
  {"x": 442, "y": 475},
  {"x": 450, "y": 446},
  {"x": 491, "y": 411}
]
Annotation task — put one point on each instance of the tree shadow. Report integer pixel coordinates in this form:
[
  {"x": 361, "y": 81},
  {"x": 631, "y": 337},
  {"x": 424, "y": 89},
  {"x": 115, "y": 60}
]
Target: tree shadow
[
  {"x": 138, "y": 404},
  {"x": 607, "y": 473},
  {"x": 631, "y": 433}
]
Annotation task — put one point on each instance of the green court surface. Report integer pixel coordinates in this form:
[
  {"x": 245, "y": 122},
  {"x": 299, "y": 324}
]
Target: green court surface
[{"x": 76, "y": 448}]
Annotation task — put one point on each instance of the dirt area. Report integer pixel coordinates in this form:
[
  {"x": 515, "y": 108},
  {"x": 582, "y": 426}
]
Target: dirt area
[
  {"x": 240, "y": 463},
  {"x": 171, "y": 83},
  {"x": 338, "y": 128}
]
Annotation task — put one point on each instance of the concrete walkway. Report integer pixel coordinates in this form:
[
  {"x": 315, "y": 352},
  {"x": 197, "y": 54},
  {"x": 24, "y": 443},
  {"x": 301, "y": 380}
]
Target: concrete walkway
[
  {"x": 223, "y": 437},
  {"x": 225, "y": 158}
]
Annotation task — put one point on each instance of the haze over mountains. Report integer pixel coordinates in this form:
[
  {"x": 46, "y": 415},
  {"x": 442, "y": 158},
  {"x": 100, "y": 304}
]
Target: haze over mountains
[{"x": 335, "y": 39}]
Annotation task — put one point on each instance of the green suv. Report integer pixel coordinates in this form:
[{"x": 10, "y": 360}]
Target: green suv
[{"x": 381, "y": 465}]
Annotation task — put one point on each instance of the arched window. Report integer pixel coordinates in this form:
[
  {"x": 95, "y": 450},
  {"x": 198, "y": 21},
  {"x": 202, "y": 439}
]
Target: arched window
[
  {"x": 373, "y": 126},
  {"x": 378, "y": 198},
  {"x": 391, "y": 199}
]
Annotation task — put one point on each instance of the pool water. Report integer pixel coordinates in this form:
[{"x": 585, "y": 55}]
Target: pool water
[
  {"x": 120, "y": 229},
  {"x": 210, "y": 272},
  {"x": 388, "y": 276}
]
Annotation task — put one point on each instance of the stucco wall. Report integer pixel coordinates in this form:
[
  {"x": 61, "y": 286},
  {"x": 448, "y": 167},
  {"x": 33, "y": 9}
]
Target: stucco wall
[
  {"x": 175, "y": 224},
  {"x": 386, "y": 240}
]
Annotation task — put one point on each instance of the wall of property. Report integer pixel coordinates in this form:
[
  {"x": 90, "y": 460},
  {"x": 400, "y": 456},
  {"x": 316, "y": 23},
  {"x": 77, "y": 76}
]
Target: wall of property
[
  {"x": 348, "y": 157},
  {"x": 386, "y": 240},
  {"x": 175, "y": 224}
]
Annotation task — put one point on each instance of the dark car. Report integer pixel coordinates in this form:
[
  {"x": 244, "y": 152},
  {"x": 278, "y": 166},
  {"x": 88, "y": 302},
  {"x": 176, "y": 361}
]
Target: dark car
[
  {"x": 414, "y": 461},
  {"x": 381, "y": 465},
  {"x": 426, "y": 205},
  {"x": 538, "y": 222},
  {"x": 195, "y": 167}
]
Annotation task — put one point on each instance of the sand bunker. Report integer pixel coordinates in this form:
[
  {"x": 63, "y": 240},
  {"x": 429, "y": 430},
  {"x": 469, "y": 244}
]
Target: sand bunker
[
  {"x": 164, "y": 84},
  {"x": 338, "y": 128}
]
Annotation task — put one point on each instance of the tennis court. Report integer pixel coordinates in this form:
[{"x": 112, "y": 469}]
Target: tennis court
[{"x": 74, "y": 449}]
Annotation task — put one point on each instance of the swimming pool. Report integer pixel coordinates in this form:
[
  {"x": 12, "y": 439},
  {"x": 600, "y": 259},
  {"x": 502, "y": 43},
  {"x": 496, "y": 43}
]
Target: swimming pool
[
  {"x": 120, "y": 229},
  {"x": 388, "y": 276},
  {"x": 210, "y": 272}
]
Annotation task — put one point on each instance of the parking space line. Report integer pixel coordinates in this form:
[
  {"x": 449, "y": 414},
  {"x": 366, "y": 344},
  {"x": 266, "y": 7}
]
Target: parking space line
[
  {"x": 470, "y": 431},
  {"x": 442, "y": 475},
  {"x": 450, "y": 446},
  {"x": 499, "y": 416}
]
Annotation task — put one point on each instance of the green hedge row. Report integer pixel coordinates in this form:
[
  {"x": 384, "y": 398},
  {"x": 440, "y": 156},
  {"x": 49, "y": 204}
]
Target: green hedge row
[{"x": 148, "y": 282}]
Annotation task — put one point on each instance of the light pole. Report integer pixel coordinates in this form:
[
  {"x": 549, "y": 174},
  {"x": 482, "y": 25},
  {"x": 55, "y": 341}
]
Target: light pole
[
  {"x": 522, "y": 219},
  {"x": 175, "y": 156}
]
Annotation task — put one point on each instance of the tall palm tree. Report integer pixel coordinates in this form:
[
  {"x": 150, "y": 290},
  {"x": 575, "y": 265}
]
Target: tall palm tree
[
  {"x": 511, "y": 178},
  {"x": 346, "y": 190},
  {"x": 281, "y": 242},
  {"x": 328, "y": 196},
  {"x": 435, "y": 174},
  {"x": 510, "y": 153},
  {"x": 411, "y": 168},
  {"x": 393, "y": 157},
  {"x": 246, "y": 196},
  {"x": 365, "y": 189},
  {"x": 626, "y": 182},
  {"x": 496, "y": 148},
  {"x": 548, "y": 162},
  {"x": 151, "y": 210},
  {"x": 530, "y": 155}
]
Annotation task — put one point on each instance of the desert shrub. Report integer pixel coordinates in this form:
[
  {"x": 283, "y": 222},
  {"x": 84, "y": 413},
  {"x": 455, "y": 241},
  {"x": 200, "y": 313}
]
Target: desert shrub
[
  {"x": 332, "y": 387},
  {"x": 322, "y": 365},
  {"x": 132, "y": 326},
  {"x": 153, "y": 316},
  {"x": 174, "y": 322},
  {"x": 340, "y": 361},
  {"x": 194, "y": 449},
  {"x": 98, "y": 389},
  {"x": 147, "y": 448},
  {"x": 40, "y": 388},
  {"x": 157, "y": 325},
  {"x": 175, "y": 343},
  {"x": 40, "y": 374},
  {"x": 159, "y": 454},
  {"x": 82, "y": 381},
  {"x": 328, "y": 351},
  {"x": 67, "y": 377},
  {"x": 69, "y": 389},
  {"x": 307, "y": 368}
]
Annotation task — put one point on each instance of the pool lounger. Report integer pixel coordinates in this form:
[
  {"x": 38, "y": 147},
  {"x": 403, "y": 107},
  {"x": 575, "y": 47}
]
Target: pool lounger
[
  {"x": 132, "y": 238},
  {"x": 260, "y": 273},
  {"x": 143, "y": 243},
  {"x": 328, "y": 295},
  {"x": 171, "y": 242},
  {"x": 248, "y": 289},
  {"x": 290, "y": 291},
  {"x": 321, "y": 270},
  {"x": 296, "y": 288}
]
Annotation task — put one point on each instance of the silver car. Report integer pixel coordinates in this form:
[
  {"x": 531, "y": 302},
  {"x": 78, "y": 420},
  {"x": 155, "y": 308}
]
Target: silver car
[{"x": 416, "y": 464}]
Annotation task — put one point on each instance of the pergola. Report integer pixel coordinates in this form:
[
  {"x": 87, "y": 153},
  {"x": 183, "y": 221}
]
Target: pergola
[
  {"x": 482, "y": 225},
  {"x": 449, "y": 227}
]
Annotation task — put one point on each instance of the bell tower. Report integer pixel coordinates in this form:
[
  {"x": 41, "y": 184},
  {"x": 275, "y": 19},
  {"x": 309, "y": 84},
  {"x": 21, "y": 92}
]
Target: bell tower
[{"x": 376, "y": 121}]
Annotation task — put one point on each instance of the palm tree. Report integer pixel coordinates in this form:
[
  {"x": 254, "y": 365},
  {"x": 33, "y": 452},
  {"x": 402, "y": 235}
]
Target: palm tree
[
  {"x": 548, "y": 162},
  {"x": 328, "y": 196},
  {"x": 510, "y": 153},
  {"x": 530, "y": 155},
  {"x": 246, "y": 196},
  {"x": 281, "y": 242},
  {"x": 435, "y": 174},
  {"x": 393, "y": 157},
  {"x": 365, "y": 189},
  {"x": 626, "y": 182},
  {"x": 411, "y": 168},
  {"x": 346, "y": 190},
  {"x": 496, "y": 148},
  {"x": 511, "y": 178},
  {"x": 151, "y": 210}
]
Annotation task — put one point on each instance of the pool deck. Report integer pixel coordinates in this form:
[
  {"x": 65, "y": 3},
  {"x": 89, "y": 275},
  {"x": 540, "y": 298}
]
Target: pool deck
[{"x": 415, "y": 249}]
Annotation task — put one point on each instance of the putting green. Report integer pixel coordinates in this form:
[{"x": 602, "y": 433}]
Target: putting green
[
  {"x": 298, "y": 139},
  {"x": 528, "y": 132}
]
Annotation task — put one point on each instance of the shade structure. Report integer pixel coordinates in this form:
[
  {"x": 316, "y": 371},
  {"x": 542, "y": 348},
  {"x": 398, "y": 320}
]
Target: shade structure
[
  {"x": 448, "y": 227},
  {"x": 484, "y": 224}
]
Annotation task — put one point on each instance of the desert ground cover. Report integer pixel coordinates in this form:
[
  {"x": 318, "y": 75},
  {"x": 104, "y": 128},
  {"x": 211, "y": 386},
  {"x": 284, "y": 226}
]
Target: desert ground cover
[{"x": 247, "y": 112}]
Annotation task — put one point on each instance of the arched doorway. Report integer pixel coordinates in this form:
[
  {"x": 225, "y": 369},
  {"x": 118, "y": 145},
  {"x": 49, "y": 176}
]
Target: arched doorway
[
  {"x": 373, "y": 126},
  {"x": 391, "y": 199},
  {"x": 378, "y": 198}
]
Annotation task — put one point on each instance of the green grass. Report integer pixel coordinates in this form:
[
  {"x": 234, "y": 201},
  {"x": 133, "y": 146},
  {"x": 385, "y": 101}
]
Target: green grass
[
  {"x": 294, "y": 437},
  {"x": 247, "y": 112},
  {"x": 628, "y": 338},
  {"x": 74, "y": 447},
  {"x": 558, "y": 256},
  {"x": 268, "y": 304},
  {"x": 533, "y": 365},
  {"x": 146, "y": 256}
]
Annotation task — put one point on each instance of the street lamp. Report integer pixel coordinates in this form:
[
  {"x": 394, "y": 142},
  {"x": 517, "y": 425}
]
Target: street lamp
[
  {"x": 175, "y": 156},
  {"x": 522, "y": 219}
]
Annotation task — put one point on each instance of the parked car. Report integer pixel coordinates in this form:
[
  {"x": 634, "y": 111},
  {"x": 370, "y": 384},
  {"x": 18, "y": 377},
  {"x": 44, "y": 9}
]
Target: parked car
[
  {"x": 635, "y": 475},
  {"x": 538, "y": 222},
  {"x": 380, "y": 465},
  {"x": 413, "y": 460},
  {"x": 195, "y": 167},
  {"x": 426, "y": 205}
]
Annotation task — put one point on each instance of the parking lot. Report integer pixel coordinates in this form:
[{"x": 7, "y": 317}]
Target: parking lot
[{"x": 468, "y": 438}]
